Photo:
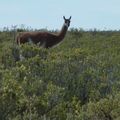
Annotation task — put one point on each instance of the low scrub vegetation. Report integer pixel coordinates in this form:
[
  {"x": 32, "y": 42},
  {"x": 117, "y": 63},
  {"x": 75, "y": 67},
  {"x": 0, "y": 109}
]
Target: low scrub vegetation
[{"x": 76, "y": 80}]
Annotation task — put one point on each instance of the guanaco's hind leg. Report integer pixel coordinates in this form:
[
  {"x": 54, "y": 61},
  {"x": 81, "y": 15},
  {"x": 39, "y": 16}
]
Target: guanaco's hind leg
[
  {"x": 30, "y": 40},
  {"x": 42, "y": 44}
]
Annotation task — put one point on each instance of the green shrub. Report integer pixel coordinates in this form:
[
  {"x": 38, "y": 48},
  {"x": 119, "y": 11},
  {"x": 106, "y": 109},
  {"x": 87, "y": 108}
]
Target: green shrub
[{"x": 77, "y": 80}]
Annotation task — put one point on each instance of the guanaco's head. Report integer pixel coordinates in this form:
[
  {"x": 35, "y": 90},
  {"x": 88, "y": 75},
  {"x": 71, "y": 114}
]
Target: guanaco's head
[{"x": 67, "y": 21}]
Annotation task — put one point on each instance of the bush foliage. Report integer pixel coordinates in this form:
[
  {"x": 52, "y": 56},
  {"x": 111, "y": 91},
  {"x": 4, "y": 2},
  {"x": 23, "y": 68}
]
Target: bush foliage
[{"x": 76, "y": 80}]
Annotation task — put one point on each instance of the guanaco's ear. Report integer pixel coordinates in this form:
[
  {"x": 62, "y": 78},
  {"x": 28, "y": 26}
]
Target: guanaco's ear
[
  {"x": 70, "y": 18},
  {"x": 64, "y": 17}
]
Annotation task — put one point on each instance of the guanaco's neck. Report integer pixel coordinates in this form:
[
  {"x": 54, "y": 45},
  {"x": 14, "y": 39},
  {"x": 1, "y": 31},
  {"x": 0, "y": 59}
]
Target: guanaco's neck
[{"x": 63, "y": 31}]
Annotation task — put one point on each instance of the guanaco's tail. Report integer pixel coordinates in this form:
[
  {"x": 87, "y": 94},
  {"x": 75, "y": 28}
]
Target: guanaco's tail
[{"x": 18, "y": 39}]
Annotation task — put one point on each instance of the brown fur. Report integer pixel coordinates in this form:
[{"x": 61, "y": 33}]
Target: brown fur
[{"x": 45, "y": 39}]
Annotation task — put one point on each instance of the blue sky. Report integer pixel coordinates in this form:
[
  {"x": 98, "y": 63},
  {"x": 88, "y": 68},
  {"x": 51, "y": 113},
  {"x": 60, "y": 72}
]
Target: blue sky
[{"x": 86, "y": 14}]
